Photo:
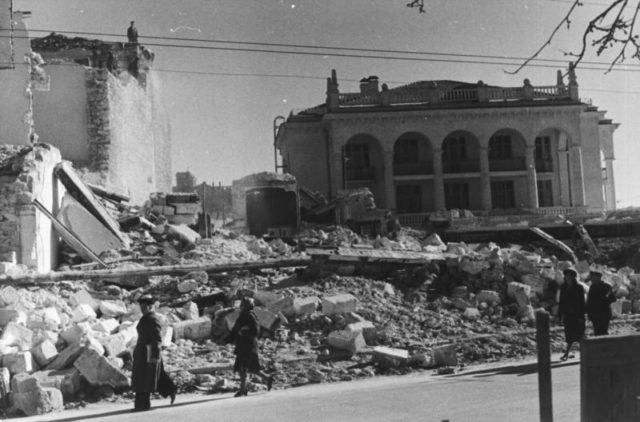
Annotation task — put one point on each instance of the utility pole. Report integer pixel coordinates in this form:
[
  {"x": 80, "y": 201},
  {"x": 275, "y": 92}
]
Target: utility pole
[{"x": 544, "y": 366}]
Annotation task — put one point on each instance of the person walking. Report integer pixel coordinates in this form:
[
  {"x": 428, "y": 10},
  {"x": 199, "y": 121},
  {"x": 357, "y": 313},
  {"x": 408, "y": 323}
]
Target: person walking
[
  {"x": 148, "y": 373},
  {"x": 571, "y": 309},
  {"x": 599, "y": 300},
  {"x": 245, "y": 333}
]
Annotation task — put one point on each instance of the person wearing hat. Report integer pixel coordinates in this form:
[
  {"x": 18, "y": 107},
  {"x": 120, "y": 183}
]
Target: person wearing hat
[
  {"x": 571, "y": 309},
  {"x": 148, "y": 373},
  {"x": 245, "y": 333},
  {"x": 132, "y": 33},
  {"x": 599, "y": 300}
]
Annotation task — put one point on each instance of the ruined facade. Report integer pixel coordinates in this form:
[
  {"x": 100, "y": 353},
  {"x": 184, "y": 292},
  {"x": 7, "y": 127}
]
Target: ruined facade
[
  {"x": 98, "y": 102},
  {"x": 434, "y": 145}
]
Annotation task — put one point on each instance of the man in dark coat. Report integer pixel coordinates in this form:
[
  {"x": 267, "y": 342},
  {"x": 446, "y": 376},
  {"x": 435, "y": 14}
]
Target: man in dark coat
[
  {"x": 571, "y": 309},
  {"x": 132, "y": 33},
  {"x": 599, "y": 300},
  {"x": 245, "y": 333},
  {"x": 148, "y": 373}
]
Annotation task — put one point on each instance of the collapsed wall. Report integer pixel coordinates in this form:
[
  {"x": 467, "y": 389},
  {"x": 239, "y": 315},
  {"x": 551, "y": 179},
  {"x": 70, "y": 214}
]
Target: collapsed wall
[{"x": 26, "y": 235}]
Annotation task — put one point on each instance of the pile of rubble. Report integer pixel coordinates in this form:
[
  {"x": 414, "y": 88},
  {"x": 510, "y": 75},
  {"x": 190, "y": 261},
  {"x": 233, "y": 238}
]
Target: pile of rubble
[{"x": 67, "y": 343}]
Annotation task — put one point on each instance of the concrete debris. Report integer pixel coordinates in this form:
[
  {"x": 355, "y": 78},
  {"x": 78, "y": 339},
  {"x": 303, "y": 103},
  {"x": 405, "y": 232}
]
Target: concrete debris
[
  {"x": 390, "y": 357},
  {"x": 351, "y": 341},
  {"x": 339, "y": 304},
  {"x": 98, "y": 371},
  {"x": 28, "y": 396}
]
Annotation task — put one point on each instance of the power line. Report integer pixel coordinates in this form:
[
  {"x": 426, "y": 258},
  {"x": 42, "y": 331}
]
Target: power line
[{"x": 326, "y": 48}]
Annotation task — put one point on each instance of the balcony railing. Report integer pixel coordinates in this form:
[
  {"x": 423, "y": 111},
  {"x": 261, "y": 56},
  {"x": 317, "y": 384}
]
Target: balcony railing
[
  {"x": 360, "y": 173},
  {"x": 508, "y": 164},
  {"x": 544, "y": 166},
  {"x": 461, "y": 166},
  {"x": 407, "y": 169}
]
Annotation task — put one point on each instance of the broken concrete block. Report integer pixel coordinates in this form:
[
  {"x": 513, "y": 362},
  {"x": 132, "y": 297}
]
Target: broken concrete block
[
  {"x": 114, "y": 344},
  {"x": 17, "y": 335},
  {"x": 526, "y": 313},
  {"x": 305, "y": 305},
  {"x": 187, "y": 286},
  {"x": 68, "y": 381},
  {"x": 182, "y": 208},
  {"x": 83, "y": 297},
  {"x": 190, "y": 311},
  {"x": 196, "y": 329},
  {"x": 108, "y": 325},
  {"x": 537, "y": 283},
  {"x": 8, "y": 315},
  {"x": 471, "y": 314},
  {"x": 367, "y": 329},
  {"x": 351, "y": 341},
  {"x": 9, "y": 296},
  {"x": 315, "y": 375},
  {"x": 112, "y": 308},
  {"x": 423, "y": 360},
  {"x": 444, "y": 355},
  {"x": 93, "y": 344},
  {"x": 490, "y": 297},
  {"x": 390, "y": 357},
  {"x": 98, "y": 371},
  {"x": 520, "y": 292},
  {"x": 284, "y": 305},
  {"x": 76, "y": 333},
  {"x": 83, "y": 312},
  {"x": 472, "y": 266},
  {"x": 460, "y": 303},
  {"x": 18, "y": 362},
  {"x": 182, "y": 233},
  {"x": 267, "y": 319},
  {"x": 45, "y": 319},
  {"x": 266, "y": 299},
  {"x": 44, "y": 353},
  {"x": 66, "y": 357},
  {"x": 31, "y": 398},
  {"x": 339, "y": 304}
]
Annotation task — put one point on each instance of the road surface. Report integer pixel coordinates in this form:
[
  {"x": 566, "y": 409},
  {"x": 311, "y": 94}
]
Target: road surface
[{"x": 489, "y": 393}]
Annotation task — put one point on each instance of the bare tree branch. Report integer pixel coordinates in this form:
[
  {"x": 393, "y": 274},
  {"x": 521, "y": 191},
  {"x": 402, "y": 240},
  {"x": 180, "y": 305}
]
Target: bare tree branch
[{"x": 418, "y": 4}]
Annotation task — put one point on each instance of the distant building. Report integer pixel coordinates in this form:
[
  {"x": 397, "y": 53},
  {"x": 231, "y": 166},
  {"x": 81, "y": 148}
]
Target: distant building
[
  {"x": 216, "y": 200},
  {"x": 435, "y": 145},
  {"x": 185, "y": 182}
]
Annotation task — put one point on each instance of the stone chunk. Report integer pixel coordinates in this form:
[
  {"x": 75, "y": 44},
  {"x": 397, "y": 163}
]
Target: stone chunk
[
  {"x": 339, "y": 304},
  {"x": 45, "y": 319},
  {"x": 190, "y": 311},
  {"x": 108, "y": 325},
  {"x": 39, "y": 401},
  {"x": 112, "y": 308},
  {"x": 9, "y": 296},
  {"x": 305, "y": 305},
  {"x": 83, "y": 312},
  {"x": 196, "y": 329},
  {"x": 83, "y": 297},
  {"x": 17, "y": 335},
  {"x": 18, "y": 362},
  {"x": 76, "y": 333},
  {"x": 389, "y": 356},
  {"x": 8, "y": 315},
  {"x": 471, "y": 314},
  {"x": 44, "y": 353},
  {"x": 267, "y": 319},
  {"x": 68, "y": 381},
  {"x": 98, "y": 371},
  {"x": 187, "y": 286},
  {"x": 351, "y": 341},
  {"x": 166, "y": 334},
  {"x": 114, "y": 344},
  {"x": 537, "y": 283},
  {"x": 367, "y": 329},
  {"x": 490, "y": 297},
  {"x": 520, "y": 292},
  {"x": 66, "y": 357}
]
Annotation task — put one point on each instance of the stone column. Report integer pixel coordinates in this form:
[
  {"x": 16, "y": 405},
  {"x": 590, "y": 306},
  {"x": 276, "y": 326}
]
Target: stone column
[
  {"x": 576, "y": 176},
  {"x": 337, "y": 172},
  {"x": 485, "y": 178},
  {"x": 389, "y": 184},
  {"x": 532, "y": 178},
  {"x": 438, "y": 180},
  {"x": 610, "y": 190},
  {"x": 563, "y": 175}
]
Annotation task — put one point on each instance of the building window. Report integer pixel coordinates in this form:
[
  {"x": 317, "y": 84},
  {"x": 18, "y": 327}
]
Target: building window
[
  {"x": 543, "y": 148},
  {"x": 357, "y": 155},
  {"x": 454, "y": 149},
  {"x": 456, "y": 195},
  {"x": 500, "y": 147},
  {"x": 503, "y": 194},
  {"x": 409, "y": 198},
  {"x": 545, "y": 193},
  {"x": 406, "y": 151}
]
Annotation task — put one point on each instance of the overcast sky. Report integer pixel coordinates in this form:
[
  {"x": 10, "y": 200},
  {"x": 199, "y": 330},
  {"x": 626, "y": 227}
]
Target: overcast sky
[{"x": 222, "y": 103}]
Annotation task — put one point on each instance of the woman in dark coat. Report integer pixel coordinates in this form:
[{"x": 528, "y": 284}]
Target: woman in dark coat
[
  {"x": 571, "y": 310},
  {"x": 599, "y": 300},
  {"x": 245, "y": 334},
  {"x": 148, "y": 373}
]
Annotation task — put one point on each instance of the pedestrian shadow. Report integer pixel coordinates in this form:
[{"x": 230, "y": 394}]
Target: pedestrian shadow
[
  {"x": 116, "y": 413},
  {"x": 519, "y": 370}
]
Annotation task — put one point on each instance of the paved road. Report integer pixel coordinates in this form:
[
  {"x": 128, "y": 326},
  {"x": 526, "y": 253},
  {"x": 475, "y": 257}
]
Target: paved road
[{"x": 508, "y": 393}]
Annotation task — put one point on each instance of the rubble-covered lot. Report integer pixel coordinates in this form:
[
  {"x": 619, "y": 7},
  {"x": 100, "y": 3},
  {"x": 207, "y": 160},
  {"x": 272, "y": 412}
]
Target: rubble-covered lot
[{"x": 67, "y": 343}]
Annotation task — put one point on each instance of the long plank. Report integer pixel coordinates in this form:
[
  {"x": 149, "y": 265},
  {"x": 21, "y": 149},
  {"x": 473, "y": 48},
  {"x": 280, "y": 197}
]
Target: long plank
[
  {"x": 556, "y": 242},
  {"x": 69, "y": 237},
  {"x": 149, "y": 271},
  {"x": 82, "y": 194}
]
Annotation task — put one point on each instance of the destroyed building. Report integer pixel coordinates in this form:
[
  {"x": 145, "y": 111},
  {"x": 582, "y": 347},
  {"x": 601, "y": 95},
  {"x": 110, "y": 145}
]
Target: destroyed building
[
  {"x": 98, "y": 102},
  {"x": 434, "y": 145}
]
